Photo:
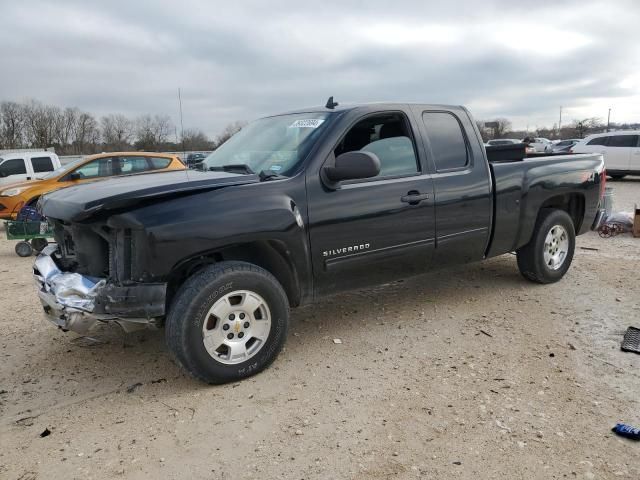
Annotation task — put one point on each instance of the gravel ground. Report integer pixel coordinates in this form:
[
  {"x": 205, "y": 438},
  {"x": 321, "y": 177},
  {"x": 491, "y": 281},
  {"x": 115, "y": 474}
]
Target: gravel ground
[{"x": 472, "y": 374}]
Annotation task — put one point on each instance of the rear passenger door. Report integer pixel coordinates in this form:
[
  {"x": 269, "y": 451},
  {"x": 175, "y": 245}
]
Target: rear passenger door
[
  {"x": 618, "y": 156},
  {"x": 463, "y": 198}
]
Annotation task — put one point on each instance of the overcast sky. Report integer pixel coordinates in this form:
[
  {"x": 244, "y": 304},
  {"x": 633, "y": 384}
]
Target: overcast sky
[{"x": 238, "y": 60}]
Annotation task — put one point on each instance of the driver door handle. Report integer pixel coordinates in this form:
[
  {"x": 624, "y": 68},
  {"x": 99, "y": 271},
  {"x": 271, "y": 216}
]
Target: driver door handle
[{"x": 414, "y": 197}]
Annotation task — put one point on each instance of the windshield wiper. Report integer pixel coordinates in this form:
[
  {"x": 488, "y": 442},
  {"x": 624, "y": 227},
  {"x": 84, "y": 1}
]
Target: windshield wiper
[{"x": 241, "y": 168}]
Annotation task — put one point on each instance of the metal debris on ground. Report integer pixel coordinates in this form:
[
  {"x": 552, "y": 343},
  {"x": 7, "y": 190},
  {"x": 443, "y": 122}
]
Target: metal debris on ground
[
  {"x": 615, "y": 224},
  {"x": 631, "y": 340}
]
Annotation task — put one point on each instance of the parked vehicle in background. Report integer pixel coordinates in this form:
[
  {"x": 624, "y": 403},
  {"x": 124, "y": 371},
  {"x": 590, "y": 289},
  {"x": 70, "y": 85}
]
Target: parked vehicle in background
[
  {"x": 503, "y": 141},
  {"x": 94, "y": 167},
  {"x": 298, "y": 206},
  {"x": 509, "y": 141},
  {"x": 195, "y": 159},
  {"x": 621, "y": 151},
  {"x": 539, "y": 144},
  {"x": 21, "y": 166},
  {"x": 562, "y": 146}
]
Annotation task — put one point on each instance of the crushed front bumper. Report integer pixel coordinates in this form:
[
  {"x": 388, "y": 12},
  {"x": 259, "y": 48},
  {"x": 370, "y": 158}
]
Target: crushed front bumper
[{"x": 78, "y": 303}]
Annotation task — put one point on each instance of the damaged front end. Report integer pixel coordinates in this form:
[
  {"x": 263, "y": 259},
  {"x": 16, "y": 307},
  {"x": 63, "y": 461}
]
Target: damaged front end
[{"x": 78, "y": 302}]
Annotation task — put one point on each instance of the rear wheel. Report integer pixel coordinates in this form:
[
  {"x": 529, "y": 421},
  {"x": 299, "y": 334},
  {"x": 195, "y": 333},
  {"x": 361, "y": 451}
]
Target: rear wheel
[
  {"x": 228, "y": 322},
  {"x": 24, "y": 249},
  {"x": 548, "y": 255}
]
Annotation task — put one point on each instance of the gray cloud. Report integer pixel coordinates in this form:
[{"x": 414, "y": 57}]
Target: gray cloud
[{"x": 240, "y": 60}]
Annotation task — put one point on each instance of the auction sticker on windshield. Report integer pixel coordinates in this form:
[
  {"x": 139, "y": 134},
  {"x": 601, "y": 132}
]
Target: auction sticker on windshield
[{"x": 308, "y": 123}]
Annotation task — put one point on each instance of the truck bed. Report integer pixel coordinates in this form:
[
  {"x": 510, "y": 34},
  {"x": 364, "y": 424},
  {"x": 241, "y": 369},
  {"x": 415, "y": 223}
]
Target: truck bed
[{"x": 521, "y": 188}]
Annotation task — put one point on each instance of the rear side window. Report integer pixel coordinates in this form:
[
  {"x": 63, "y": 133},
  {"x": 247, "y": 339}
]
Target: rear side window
[
  {"x": 623, "y": 141},
  {"x": 133, "y": 165},
  {"x": 14, "y": 166},
  {"x": 598, "y": 141},
  {"x": 158, "y": 163},
  {"x": 42, "y": 164},
  {"x": 447, "y": 141}
]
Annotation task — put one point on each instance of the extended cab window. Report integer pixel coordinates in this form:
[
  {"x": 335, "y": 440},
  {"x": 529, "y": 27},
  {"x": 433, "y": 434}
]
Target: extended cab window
[
  {"x": 15, "y": 166},
  {"x": 389, "y": 138},
  {"x": 447, "y": 141},
  {"x": 102, "y": 167},
  {"x": 623, "y": 141},
  {"x": 598, "y": 141},
  {"x": 42, "y": 164}
]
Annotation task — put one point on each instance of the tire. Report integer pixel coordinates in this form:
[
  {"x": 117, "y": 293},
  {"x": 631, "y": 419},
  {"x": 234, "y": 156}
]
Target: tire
[
  {"x": 542, "y": 261},
  {"x": 39, "y": 244},
  {"x": 617, "y": 176},
  {"x": 24, "y": 249},
  {"x": 232, "y": 289}
]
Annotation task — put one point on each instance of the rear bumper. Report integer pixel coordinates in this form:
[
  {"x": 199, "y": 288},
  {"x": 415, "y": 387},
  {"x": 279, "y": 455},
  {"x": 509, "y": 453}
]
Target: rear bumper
[{"x": 78, "y": 303}]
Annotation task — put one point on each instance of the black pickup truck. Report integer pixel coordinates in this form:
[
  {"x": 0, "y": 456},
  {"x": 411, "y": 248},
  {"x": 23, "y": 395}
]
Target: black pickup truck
[{"x": 298, "y": 206}]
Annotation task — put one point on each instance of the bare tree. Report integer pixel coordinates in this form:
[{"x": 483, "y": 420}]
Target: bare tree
[
  {"x": 117, "y": 131},
  {"x": 86, "y": 134},
  {"x": 152, "y": 132},
  {"x": 40, "y": 122},
  {"x": 11, "y": 125},
  {"x": 229, "y": 131},
  {"x": 193, "y": 139}
]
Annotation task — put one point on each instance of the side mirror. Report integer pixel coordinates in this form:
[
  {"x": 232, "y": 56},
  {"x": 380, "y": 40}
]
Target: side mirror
[
  {"x": 353, "y": 166},
  {"x": 74, "y": 176}
]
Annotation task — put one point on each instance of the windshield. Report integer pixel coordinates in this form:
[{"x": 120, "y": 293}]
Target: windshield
[
  {"x": 62, "y": 169},
  {"x": 274, "y": 144}
]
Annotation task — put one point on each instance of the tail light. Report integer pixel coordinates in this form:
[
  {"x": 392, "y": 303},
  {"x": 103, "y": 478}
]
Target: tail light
[{"x": 603, "y": 182}]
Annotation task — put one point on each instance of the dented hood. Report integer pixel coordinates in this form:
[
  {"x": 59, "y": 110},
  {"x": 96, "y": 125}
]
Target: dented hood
[{"x": 80, "y": 202}]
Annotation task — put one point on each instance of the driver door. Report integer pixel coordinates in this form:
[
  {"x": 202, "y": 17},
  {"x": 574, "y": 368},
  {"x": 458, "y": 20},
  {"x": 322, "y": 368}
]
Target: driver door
[{"x": 370, "y": 231}]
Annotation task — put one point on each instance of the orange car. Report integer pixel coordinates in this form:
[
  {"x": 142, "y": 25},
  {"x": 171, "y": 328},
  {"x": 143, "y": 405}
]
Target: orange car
[{"x": 94, "y": 167}]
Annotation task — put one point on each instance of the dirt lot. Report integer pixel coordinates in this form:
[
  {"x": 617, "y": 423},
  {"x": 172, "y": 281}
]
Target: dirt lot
[{"x": 475, "y": 373}]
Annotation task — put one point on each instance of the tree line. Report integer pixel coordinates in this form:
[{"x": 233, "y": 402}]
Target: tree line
[
  {"x": 577, "y": 128},
  {"x": 71, "y": 131}
]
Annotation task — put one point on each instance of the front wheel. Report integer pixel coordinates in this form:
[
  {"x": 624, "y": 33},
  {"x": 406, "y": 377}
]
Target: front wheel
[
  {"x": 228, "y": 322},
  {"x": 548, "y": 255}
]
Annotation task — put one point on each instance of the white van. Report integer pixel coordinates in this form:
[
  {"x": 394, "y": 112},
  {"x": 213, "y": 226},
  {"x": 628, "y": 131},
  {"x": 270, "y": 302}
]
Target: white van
[
  {"x": 21, "y": 166},
  {"x": 621, "y": 151}
]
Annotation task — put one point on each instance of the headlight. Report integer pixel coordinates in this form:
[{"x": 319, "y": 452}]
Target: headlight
[{"x": 12, "y": 192}]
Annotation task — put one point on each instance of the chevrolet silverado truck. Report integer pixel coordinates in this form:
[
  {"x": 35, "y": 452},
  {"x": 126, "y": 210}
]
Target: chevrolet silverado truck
[{"x": 298, "y": 206}]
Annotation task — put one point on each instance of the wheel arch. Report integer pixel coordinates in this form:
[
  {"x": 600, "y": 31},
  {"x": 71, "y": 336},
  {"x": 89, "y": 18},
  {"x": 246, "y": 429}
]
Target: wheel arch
[
  {"x": 272, "y": 255},
  {"x": 572, "y": 203}
]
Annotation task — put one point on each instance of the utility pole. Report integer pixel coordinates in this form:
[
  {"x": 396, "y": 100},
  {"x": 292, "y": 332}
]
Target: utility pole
[
  {"x": 560, "y": 121},
  {"x": 181, "y": 124},
  {"x": 608, "y": 118}
]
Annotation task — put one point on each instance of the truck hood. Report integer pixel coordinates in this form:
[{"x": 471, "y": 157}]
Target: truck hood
[{"x": 80, "y": 202}]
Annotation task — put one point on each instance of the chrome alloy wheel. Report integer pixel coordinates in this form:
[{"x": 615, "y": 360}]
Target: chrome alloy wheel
[
  {"x": 556, "y": 246},
  {"x": 236, "y": 327}
]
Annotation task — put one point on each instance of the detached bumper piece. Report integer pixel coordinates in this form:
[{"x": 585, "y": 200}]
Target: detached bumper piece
[{"x": 78, "y": 303}]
